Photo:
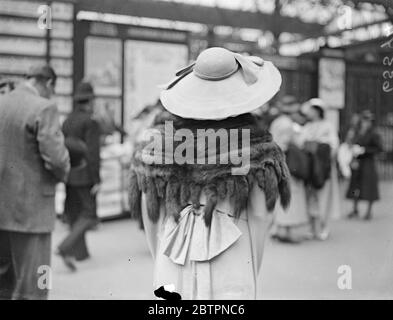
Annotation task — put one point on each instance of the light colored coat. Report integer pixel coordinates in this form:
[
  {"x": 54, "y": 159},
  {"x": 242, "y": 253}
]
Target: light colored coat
[
  {"x": 33, "y": 158},
  {"x": 220, "y": 262}
]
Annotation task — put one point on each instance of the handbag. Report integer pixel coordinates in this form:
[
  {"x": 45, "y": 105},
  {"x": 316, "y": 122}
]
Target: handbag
[
  {"x": 298, "y": 161},
  {"x": 320, "y": 163}
]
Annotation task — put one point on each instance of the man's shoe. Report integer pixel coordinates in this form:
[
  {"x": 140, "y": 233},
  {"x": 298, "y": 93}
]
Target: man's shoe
[{"x": 67, "y": 260}]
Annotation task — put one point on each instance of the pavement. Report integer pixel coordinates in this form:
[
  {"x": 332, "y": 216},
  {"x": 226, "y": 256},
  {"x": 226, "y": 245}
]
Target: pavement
[{"x": 121, "y": 266}]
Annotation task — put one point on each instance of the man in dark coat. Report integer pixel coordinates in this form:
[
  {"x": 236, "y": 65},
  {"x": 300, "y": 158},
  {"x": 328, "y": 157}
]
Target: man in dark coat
[
  {"x": 82, "y": 134},
  {"x": 33, "y": 158}
]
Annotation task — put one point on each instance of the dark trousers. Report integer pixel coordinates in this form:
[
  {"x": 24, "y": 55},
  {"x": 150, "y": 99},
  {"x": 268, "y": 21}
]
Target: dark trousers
[
  {"x": 80, "y": 211},
  {"x": 22, "y": 258}
]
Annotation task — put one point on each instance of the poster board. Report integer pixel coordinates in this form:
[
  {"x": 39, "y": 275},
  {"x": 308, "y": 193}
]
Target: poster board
[
  {"x": 332, "y": 87},
  {"x": 103, "y": 65},
  {"x": 332, "y": 82},
  {"x": 147, "y": 65}
]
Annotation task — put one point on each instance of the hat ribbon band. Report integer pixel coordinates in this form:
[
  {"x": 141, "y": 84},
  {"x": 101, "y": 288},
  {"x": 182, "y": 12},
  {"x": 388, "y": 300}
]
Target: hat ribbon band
[
  {"x": 248, "y": 68},
  {"x": 216, "y": 78}
]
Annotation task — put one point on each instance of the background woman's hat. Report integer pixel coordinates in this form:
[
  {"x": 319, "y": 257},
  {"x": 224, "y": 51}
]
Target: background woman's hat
[
  {"x": 313, "y": 103},
  {"x": 367, "y": 115},
  {"x": 221, "y": 84},
  {"x": 84, "y": 91},
  {"x": 316, "y": 102}
]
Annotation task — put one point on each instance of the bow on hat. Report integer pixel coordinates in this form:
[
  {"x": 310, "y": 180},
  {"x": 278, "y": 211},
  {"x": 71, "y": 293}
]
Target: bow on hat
[{"x": 249, "y": 67}]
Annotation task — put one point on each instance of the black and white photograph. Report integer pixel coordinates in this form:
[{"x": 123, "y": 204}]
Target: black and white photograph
[{"x": 202, "y": 150}]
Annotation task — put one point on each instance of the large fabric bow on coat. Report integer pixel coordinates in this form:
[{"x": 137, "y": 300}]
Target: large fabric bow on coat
[{"x": 190, "y": 237}]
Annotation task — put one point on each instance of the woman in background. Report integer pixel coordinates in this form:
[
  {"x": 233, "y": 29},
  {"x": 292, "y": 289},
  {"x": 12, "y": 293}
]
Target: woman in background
[
  {"x": 324, "y": 200},
  {"x": 364, "y": 179},
  {"x": 286, "y": 132}
]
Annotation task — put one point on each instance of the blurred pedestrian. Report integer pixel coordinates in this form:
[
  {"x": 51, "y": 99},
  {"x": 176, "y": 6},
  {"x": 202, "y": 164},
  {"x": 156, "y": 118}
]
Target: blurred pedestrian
[
  {"x": 82, "y": 134},
  {"x": 321, "y": 140},
  {"x": 286, "y": 132},
  {"x": 33, "y": 158},
  {"x": 204, "y": 222},
  {"x": 364, "y": 179}
]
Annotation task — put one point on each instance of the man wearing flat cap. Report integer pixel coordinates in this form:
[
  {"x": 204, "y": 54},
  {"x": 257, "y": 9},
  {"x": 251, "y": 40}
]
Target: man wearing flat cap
[
  {"x": 82, "y": 134},
  {"x": 33, "y": 158}
]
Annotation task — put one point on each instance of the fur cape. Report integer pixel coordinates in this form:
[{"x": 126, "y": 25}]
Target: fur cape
[{"x": 179, "y": 185}]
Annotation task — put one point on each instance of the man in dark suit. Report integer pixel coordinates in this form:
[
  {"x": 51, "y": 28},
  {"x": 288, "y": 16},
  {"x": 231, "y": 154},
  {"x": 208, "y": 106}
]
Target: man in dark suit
[
  {"x": 82, "y": 134},
  {"x": 33, "y": 158}
]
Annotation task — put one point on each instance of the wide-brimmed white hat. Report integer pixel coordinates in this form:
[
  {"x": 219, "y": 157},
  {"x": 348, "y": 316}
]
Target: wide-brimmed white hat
[{"x": 221, "y": 84}]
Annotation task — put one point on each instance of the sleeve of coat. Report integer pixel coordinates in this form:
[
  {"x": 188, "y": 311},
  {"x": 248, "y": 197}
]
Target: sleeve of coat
[
  {"x": 259, "y": 222},
  {"x": 51, "y": 143},
  {"x": 92, "y": 138},
  {"x": 152, "y": 229}
]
